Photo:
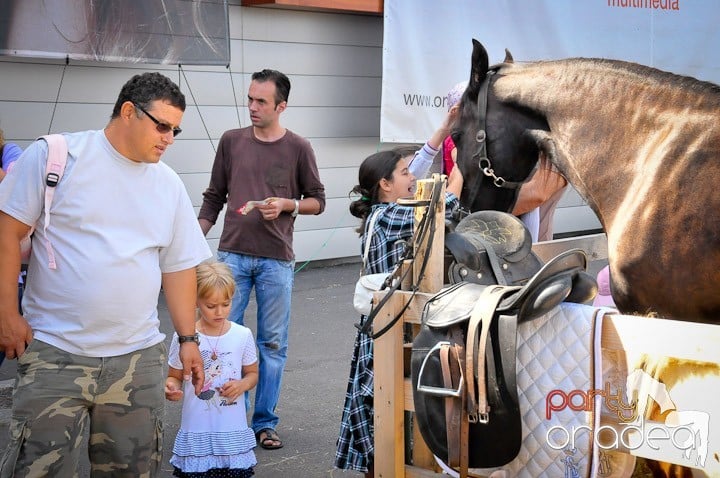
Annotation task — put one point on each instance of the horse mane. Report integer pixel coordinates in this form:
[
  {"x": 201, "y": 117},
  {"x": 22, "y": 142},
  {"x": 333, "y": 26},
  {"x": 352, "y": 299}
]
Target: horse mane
[
  {"x": 645, "y": 75},
  {"x": 648, "y": 72}
]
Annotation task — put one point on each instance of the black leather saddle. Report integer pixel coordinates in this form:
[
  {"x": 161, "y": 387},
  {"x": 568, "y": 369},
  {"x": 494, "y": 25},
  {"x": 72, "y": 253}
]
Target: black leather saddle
[
  {"x": 491, "y": 247},
  {"x": 463, "y": 360}
]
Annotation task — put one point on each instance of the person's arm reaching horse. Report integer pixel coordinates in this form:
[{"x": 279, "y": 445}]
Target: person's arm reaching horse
[
  {"x": 545, "y": 182},
  {"x": 455, "y": 182},
  {"x": 423, "y": 159}
]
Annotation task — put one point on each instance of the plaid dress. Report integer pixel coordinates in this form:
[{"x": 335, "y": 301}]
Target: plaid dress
[{"x": 355, "y": 445}]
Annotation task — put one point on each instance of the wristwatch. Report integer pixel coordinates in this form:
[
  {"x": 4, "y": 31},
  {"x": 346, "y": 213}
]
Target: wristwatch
[
  {"x": 189, "y": 338},
  {"x": 297, "y": 208}
]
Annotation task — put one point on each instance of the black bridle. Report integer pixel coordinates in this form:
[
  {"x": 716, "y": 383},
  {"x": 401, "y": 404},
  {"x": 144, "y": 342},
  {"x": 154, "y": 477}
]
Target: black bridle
[{"x": 483, "y": 161}]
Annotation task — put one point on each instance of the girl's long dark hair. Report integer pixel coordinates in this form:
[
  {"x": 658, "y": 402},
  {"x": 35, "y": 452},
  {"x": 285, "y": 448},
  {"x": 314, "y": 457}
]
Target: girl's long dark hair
[{"x": 374, "y": 168}]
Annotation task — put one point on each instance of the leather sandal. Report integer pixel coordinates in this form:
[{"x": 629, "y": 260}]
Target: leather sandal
[{"x": 268, "y": 439}]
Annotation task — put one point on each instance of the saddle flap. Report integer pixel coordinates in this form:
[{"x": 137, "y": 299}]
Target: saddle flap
[
  {"x": 453, "y": 305},
  {"x": 550, "y": 286}
]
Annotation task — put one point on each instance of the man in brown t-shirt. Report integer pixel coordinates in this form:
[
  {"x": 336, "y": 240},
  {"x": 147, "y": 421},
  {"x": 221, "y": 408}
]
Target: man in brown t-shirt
[{"x": 275, "y": 169}]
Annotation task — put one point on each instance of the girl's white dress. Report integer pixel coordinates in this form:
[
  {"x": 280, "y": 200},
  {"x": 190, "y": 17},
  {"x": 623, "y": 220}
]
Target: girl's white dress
[{"x": 214, "y": 433}]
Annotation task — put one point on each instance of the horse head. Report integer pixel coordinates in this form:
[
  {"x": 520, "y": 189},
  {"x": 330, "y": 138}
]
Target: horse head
[{"x": 497, "y": 142}]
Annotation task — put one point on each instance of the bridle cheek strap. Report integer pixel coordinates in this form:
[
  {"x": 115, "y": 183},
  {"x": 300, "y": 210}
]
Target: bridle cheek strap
[{"x": 483, "y": 162}]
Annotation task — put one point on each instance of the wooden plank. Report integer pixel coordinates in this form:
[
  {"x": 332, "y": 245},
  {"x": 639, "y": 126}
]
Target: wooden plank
[
  {"x": 389, "y": 414},
  {"x": 692, "y": 350},
  {"x": 432, "y": 280},
  {"x": 594, "y": 245},
  {"x": 360, "y": 6},
  {"x": 636, "y": 335},
  {"x": 417, "y": 472},
  {"x": 421, "y": 455},
  {"x": 408, "y": 394}
]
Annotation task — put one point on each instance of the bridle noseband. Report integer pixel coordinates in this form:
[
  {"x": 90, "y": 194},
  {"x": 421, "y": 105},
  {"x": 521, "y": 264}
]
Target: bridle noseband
[{"x": 483, "y": 161}]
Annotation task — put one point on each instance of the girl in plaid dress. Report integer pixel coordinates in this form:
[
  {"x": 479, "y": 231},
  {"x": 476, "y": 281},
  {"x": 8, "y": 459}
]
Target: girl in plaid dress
[{"x": 383, "y": 178}]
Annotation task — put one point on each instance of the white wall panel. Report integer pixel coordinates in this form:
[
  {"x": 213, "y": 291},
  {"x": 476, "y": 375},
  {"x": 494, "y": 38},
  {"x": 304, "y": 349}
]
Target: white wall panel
[
  {"x": 210, "y": 88},
  {"x": 94, "y": 85},
  {"x": 332, "y": 122},
  {"x": 199, "y": 121},
  {"x": 23, "y": 81},
  {"x": 571, "y": 198},
  {"x": 336, "y": 215},
  {"x": 22, "y": 121},
  {"x": 196, "y": 184},
  {"x": 190, "y": 156},
  {"x": 338, "y": 181},
  {"x": 577, "y": 218},
  {"x": 334, "y": 90},
  {"x": 318, "y": 245},
  {"x": 343, "y": 152},
  {"x": 307, "y": 59},
  {"x": 80, "y": 116}
]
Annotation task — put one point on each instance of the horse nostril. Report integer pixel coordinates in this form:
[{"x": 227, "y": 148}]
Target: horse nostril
[{"x": 480, "y": 136}]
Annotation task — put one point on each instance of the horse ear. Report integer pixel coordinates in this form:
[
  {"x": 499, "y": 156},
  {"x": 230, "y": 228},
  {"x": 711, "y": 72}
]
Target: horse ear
[
  {"x": 478, "y": 67},
  {"x": 508, "y": 57}
]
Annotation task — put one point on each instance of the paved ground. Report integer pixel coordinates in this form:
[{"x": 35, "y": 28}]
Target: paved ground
[{"x": 321, "y": 340}]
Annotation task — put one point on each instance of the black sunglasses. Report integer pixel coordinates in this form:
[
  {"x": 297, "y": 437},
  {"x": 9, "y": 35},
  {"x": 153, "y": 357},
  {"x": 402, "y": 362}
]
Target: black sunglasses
[{"x": 162, "y": 128}]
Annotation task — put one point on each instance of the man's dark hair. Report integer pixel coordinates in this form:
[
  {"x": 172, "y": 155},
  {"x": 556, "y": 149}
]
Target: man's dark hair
[
  {"x": 282, "y": 83},
  {"x": 145, "y": 88}
]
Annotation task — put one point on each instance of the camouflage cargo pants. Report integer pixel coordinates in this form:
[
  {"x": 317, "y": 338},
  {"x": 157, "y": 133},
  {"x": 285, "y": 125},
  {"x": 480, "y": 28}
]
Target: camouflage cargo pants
[{"x": 59, "y": 395}]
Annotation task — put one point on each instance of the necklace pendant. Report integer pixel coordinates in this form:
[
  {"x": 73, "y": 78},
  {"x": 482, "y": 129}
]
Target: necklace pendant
[{"x": 213, "y": 356}]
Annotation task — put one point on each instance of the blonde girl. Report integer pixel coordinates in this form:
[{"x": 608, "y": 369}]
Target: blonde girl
[{"x": 214, "y": 439}]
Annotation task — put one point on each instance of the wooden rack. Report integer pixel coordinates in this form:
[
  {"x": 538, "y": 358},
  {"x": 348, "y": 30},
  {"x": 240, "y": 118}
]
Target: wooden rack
[{"x": 622, "y": 336}]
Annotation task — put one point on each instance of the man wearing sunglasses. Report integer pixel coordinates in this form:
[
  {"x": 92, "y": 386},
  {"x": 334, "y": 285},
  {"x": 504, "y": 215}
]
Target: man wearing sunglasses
[
  {"x": 89, "y": 349},
  {"x": 276, "y": 167}
]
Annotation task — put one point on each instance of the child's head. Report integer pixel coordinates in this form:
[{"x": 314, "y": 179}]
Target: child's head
[
  {"x": 455, "y": 94},
  {"x": 383, "y": 177},
  {"x": 215, "y": 289}
]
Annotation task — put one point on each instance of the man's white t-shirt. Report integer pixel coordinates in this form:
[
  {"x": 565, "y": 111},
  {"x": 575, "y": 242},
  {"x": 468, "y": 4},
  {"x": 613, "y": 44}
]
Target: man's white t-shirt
[{"x": 115, "y": 226}]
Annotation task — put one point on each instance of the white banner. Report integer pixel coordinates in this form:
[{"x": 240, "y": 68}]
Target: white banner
[{"x": 427, "y": 45}]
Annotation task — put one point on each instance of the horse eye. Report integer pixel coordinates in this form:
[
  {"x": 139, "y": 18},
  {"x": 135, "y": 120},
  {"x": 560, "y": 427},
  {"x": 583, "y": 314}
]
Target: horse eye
[{"x": 455, "y": 135}]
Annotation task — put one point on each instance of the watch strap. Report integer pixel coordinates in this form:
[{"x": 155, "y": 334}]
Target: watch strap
[{"x": 189, "y": 338}]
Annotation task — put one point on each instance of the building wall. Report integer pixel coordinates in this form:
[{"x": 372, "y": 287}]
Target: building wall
[{"x": 334, "y": 62}]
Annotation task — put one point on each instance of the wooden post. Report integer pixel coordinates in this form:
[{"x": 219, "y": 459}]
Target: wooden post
[
  {"x": 389, "y": 406},
  {"x": 432, "y": 280}
]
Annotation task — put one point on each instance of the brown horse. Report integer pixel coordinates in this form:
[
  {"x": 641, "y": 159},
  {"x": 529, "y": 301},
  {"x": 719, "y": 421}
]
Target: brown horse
[{"x": 640, "y": 145}]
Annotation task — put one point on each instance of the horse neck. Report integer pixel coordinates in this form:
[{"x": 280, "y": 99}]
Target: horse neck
[{"x": 608, "y": 120}]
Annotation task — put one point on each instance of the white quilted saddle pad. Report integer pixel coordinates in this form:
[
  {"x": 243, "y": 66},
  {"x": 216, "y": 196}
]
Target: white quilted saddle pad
[{"x": 555, "y": 357}]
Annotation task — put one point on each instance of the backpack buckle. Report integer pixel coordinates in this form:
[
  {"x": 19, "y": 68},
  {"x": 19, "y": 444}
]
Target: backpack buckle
[{"x": 52, "y": 179}]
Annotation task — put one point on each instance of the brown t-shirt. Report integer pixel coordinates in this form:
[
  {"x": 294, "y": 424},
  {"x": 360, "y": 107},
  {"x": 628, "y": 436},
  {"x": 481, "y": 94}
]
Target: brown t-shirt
[{"x": 247, "y": 169}]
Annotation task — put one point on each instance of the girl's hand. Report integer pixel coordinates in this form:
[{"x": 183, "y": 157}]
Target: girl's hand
[
  {"x": 231, "y": 390},
  {"x": 173, "y": 390}
]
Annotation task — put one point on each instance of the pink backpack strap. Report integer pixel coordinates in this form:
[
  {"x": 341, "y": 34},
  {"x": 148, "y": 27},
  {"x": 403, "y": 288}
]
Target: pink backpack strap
[{"x": 57, "y": 158}]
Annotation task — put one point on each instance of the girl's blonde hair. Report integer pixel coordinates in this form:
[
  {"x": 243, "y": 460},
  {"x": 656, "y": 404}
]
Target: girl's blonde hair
[{"x": 213, "y": 277}]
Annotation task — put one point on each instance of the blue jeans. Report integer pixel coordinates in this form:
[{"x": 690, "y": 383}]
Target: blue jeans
[{"x": 273, "y": 282}]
